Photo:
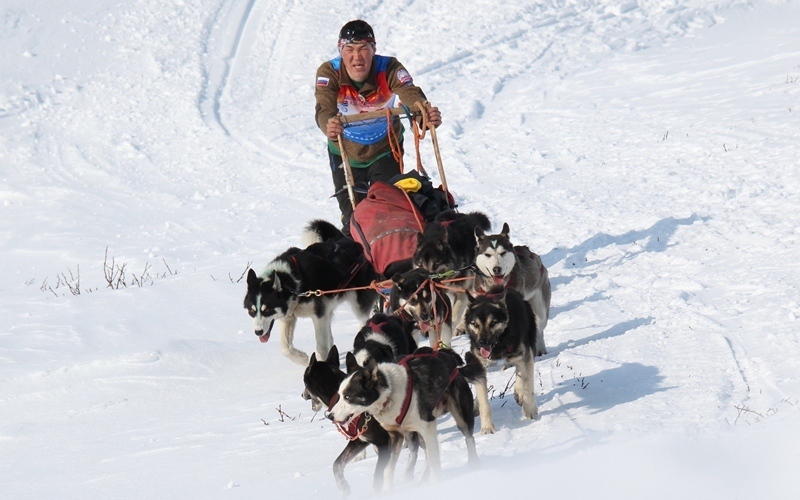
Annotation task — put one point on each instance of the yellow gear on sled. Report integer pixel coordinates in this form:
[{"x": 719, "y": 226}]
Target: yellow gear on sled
[{"x": 409, "y": 185}]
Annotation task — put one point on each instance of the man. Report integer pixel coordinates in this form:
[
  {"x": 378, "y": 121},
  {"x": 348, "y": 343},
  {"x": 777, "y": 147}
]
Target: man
[{"x": 359, "y": 81}]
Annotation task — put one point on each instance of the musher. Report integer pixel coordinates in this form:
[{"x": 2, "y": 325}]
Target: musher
[{"x": 359, "y": 81}]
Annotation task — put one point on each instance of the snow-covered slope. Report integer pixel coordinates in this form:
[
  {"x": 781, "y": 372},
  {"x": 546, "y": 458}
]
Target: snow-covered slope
[{"x": 151, "y": 152}]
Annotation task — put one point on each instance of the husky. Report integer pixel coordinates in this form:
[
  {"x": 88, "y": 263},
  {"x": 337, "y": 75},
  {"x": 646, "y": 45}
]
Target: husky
[
  {"x": 498, "y": 262},
  {"x": 502, "y": 326},
  {"x": 384, "y": 338},
  {"x": 410, "y": 395},
  {"x": 322, "y": 380},
  {"x": 416, "y": 295},
  {"x": 448, "y": 245},
  {"x": 284, "y": 291}
]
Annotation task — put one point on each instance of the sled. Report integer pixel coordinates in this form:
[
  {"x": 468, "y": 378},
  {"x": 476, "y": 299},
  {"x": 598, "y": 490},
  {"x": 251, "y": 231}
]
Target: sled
[{"x": 387, "y": 221}]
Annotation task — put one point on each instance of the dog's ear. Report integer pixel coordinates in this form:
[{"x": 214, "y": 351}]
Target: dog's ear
[
  {"x": 252, "y": 280},
  {"x": 312, "y": 359},
  {"x": 397, "y": 278},
  {"x": 276, "y": 282},
  {"x": 470, "y": 297},
  {"x": 351, "y": 363},
  {"x": 443, "y": 235},
  {"x": 506, "y": 230},
  {"x": 333, "y": 356},
  {"x": 420, "y": 238},
  {"x": 371, "y": 368},
  {"x": 479, "y": 234}
]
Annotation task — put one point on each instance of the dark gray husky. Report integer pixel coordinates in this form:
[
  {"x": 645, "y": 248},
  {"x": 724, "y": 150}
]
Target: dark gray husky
[
  {"x": 414, "y": 295},
  {"x": 501, "y": 326}
]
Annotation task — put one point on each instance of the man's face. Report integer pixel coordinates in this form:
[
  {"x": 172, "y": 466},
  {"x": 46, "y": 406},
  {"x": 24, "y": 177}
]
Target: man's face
[{"x": 357, "y": 58}]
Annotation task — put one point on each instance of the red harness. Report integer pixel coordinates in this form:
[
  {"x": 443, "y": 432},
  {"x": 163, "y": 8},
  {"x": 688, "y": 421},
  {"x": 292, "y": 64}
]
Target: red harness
[{"x": 410, "y": 385}]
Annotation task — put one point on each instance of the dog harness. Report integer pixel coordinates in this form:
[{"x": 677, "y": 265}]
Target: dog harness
[
  {"x": 410, "y": 385},
  {"x": 376, "y": 327}
]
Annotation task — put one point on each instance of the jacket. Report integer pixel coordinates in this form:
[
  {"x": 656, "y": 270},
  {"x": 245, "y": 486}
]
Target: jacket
[{"x": 336, "y": 93}]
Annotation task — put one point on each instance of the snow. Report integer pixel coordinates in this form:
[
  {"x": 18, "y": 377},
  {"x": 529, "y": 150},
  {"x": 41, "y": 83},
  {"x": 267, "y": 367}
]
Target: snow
[{"x": 646, "y": 149}]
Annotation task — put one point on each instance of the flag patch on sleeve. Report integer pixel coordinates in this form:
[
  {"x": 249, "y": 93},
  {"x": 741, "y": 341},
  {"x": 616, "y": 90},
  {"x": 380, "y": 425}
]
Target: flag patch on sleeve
[
  {"x": 322, "y": 81},
  {"x": 404, "y": 77}
]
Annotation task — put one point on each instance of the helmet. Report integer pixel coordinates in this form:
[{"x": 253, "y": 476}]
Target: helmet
[{"x": 356, "y": 31}]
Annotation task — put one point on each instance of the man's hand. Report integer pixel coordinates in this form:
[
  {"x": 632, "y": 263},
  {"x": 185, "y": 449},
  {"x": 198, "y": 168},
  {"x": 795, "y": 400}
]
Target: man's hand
[
  {"x": 434, "y": 116},
  {"x": 334, "y": 128}
]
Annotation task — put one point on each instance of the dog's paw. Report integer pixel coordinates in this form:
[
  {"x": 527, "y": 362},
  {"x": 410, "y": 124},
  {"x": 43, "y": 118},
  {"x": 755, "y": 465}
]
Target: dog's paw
[
  {"x": 298, "y": 357},
  {"x": 489, "y": 429},
  {"x": 530, "y": 413}
]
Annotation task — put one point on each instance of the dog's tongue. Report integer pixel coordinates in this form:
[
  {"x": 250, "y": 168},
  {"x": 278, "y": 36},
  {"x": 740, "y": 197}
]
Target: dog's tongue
[
  {"x": 263, "y": 338},
  {"x": 486, "y": 352},
  {"x": 424, "y": 326},
  {"x": 498, "y": 280}
]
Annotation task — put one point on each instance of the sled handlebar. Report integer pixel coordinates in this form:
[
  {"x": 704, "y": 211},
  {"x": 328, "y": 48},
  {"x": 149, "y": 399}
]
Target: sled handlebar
[{"x": 345, "y": 119}]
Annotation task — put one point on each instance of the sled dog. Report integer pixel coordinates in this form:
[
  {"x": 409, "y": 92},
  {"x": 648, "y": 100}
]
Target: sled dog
[
  {"x": 414, "y": 295},
  {"x": 498, "y": 262},
  {"x": 330, "y": 262},
  {"x": 322, "y": 380},
  {"x": 501, "y": 326},
  {"x": 448, "y": 244},
  {"x": 409, "y": 396},
  {"x": 384, "y": 338}
]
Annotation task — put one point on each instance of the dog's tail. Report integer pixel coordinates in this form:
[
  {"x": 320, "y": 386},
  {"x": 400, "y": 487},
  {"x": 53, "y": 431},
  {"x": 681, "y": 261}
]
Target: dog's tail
[
  {"x": 473, "y": 369},
  {"x": 319, "y": 230},
  {"x": 480, "y": 220}
]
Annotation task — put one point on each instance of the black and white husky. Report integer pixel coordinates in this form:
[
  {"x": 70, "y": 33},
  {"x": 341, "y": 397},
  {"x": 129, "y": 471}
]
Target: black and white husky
[
  {"x": 284, "y": 290},
  {"x": 448, "y": 244},
  {"x": 498, "y": 262},
  {"x": 409, "y": 396},
  {"x": 416, "y": 296},
  {"x": 501, "y": 326},
  {"x": 384, "y": 338},
  {"x": 322, "y": 380}
]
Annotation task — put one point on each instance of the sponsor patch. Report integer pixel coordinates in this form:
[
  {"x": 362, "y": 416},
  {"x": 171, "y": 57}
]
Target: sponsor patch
[
  {"x": 404, "y": 77},
  {"x": 322, "y": 81}
]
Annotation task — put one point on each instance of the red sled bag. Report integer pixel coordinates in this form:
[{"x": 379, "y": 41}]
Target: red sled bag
[{"x": 386, "y": 224}]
